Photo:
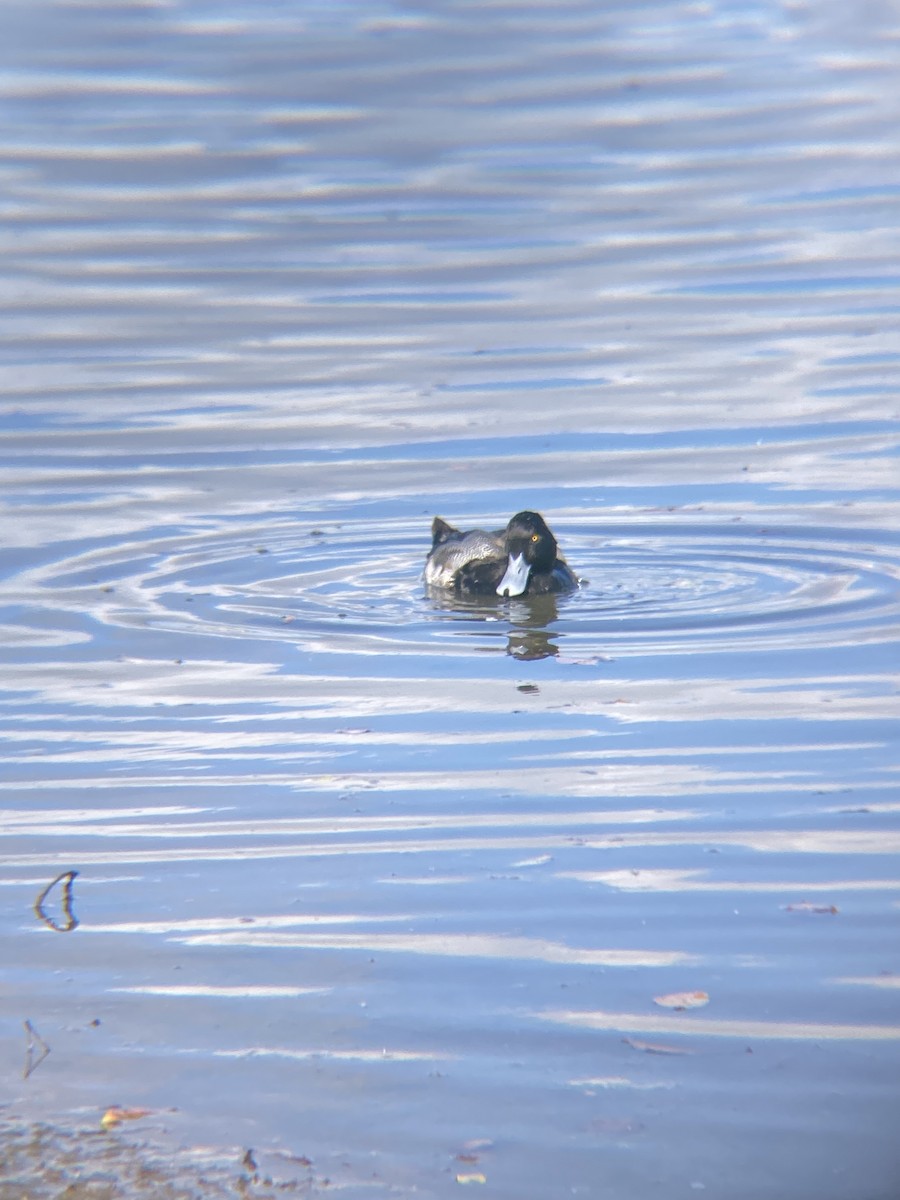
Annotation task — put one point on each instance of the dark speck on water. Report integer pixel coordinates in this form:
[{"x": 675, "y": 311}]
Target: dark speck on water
[{"x": 384, "y": 879}]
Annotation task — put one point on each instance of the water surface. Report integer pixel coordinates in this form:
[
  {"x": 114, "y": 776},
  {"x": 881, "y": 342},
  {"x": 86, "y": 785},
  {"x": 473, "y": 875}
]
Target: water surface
[{"x": 383, "y": 885}]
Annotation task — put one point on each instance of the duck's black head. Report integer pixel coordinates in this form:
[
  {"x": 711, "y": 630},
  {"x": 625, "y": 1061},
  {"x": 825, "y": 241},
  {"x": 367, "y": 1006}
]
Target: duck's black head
[{"x": 532, "y": 550}]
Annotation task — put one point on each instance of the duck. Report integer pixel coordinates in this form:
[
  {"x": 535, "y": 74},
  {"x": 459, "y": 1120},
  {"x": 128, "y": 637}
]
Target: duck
[{"x": 521, "y": 560}]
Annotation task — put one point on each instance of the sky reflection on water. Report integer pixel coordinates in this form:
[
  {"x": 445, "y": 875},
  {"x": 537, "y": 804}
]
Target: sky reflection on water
[{"x": 390, "y": 881}]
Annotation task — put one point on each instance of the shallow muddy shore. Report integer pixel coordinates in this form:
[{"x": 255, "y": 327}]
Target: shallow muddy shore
[{"x": 81, "y": 1162}]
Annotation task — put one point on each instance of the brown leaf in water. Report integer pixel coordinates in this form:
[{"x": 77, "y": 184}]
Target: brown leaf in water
[
  {"x": 115, "y": 1116},
  {"x": 654, "y": 1047},
  {"x": 682, "y": 1000}
]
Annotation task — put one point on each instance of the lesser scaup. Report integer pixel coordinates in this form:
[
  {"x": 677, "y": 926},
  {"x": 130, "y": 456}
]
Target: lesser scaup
[{"x": 520, "y": 560}]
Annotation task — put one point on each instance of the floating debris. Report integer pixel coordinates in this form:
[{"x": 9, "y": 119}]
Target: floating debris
[
  {"x": 806, "y": 906},
  {"x": 33, "y": 1042},
  {"x": 682, "y": 1000},
  {"x": 654, "y": 1047},
  {"x": 115, "y": 1116},
  {"x": 70, "y": 921}
]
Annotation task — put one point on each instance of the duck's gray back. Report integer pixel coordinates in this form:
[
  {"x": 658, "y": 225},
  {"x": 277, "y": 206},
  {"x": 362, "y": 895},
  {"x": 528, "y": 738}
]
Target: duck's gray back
[{"x": 453, "y": 554}]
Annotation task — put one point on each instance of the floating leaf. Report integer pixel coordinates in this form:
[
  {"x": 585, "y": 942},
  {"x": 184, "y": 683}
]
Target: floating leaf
[
  {"x": 682, "y": 1000},
  {"x": 475, "y": 1177},
  {"x": 115, "y": 1116}
]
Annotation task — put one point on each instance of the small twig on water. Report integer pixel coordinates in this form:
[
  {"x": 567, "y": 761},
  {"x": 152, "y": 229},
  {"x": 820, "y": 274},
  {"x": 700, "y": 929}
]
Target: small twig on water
[{"x": 33, "y": 1042}]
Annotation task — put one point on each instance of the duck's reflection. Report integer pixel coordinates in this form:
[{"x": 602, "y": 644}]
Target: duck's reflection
[
  {"x": 528, "y": 617},
  {"x": 529, "y": 634}
]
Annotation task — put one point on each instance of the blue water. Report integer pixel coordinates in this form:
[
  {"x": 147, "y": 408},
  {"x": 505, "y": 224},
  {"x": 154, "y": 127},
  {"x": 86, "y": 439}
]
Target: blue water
[{"x": 386, "y": 881}]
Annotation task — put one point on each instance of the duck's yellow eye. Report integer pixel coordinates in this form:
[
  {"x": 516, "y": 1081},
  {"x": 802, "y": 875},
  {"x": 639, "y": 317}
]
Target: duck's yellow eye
[{"x": 535, "y": 537}]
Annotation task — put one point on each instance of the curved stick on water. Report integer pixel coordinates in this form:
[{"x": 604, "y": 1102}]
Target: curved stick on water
[{"x": 70, "y": 921}]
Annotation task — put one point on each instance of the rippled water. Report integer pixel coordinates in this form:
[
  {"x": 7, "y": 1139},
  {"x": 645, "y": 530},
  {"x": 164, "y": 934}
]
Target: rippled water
[{"x": 387, "y": 885}]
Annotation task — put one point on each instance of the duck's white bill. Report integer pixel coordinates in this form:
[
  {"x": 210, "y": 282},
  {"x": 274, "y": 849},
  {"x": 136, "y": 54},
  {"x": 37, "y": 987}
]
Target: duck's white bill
[{"x": 515, "y": 581}]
